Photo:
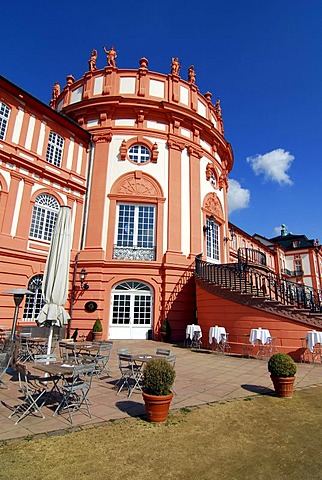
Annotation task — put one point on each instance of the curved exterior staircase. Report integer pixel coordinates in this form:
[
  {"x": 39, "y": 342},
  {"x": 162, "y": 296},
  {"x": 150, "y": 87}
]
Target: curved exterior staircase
[{"x": 239, "y": 296}]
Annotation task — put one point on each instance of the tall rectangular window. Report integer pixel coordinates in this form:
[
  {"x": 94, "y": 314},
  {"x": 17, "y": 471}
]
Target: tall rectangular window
[
  {"x": 4, "y": 117},
  {"x": 55, "y": 148},
  {"x": 135, "y": 234},
  {"x": 212, "y": 241},
  {"x": 135, "y": 226}
]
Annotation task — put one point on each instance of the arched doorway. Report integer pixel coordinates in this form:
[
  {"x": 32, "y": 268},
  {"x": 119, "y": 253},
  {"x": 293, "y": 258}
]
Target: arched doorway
[{"x": 131, "y": 311}]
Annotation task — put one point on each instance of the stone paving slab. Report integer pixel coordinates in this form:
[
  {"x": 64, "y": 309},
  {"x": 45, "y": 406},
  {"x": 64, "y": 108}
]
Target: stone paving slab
[{"x": 202, "y": 378}]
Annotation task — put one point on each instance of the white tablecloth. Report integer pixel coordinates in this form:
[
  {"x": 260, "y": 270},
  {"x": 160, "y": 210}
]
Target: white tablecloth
[
  {"x": 216, "y": 333},
  {"x": 259, "y": 334},
  {"x": 312, "y": 338},
  {"x": 191, "y": 329}
]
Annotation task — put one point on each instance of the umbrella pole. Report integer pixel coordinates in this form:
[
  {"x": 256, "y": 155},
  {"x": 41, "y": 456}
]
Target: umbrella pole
[{"x": 50, "y": 339}]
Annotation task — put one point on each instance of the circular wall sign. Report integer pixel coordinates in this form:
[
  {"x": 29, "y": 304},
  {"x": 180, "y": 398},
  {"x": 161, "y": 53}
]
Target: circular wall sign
[{"x": 90, "y": 306}]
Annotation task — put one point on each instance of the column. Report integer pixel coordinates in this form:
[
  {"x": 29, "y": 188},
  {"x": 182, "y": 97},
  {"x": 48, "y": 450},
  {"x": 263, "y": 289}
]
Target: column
[
  {"x": 174, "y": 197},
  {"x": 195, "y": 154},
  {"x": 98, "y": 193}
]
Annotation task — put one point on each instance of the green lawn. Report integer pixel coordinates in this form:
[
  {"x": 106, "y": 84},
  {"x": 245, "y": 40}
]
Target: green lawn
[{"x": 261, "y": 437}]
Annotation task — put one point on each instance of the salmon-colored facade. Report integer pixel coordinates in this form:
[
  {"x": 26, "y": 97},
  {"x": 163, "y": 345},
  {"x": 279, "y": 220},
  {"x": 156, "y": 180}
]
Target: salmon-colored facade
[{"x": 141, "y": 159}]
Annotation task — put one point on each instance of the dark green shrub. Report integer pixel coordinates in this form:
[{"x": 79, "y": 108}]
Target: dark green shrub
[
  {"x": 97, "y": 327},
  {"x": 282, "y": 365},
  {"x": 158, "y": 377}
]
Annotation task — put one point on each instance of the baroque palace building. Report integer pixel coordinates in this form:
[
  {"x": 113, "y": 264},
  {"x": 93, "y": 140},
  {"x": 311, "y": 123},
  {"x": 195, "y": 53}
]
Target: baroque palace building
[{"x": 141, "y": 159}]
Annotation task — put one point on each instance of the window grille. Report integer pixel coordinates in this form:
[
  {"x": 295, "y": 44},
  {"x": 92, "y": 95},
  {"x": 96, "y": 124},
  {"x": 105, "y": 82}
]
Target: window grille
[
  {"x": 44, "y": 217},
  {"x": 4, "y": 117},
  {"x": 55, "y": 147}
]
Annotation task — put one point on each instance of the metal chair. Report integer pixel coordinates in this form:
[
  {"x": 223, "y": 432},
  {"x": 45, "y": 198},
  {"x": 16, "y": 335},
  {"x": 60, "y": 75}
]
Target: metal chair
[
  {"x": 32, "y": 391},
  {"x": 131, "y": 374},
  {"x": 271, "y": 347},
  {"x": 196, "y": 340},
  {"x": 25, "y": 349},
  {"x": 69, "y": 352},
  {"x": 165, "y": 352},
  {"x": 102, "y": 357},
  {"x": 223, "y": 346},
  {"x": 75, "y": 390},
  {"x": 247, "y": 346}
]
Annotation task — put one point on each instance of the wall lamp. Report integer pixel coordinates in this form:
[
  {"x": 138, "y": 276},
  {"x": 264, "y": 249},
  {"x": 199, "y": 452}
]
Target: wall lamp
[
  {"x": 82, "y": 278},
  {"x": 210, "y": 221},
  {"x": 232, "y": 235}
]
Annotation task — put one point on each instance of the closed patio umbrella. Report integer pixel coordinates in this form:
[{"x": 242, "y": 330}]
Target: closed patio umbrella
[{"x": 55, "y": 281}]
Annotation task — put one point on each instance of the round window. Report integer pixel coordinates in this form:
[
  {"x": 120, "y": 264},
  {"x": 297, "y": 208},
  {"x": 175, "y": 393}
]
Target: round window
[{"x": 139, "y": 154}]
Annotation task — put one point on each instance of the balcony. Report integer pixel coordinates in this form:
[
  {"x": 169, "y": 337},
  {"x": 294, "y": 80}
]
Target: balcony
[
  {"x": 292, "y": 273},
  {"x": 134, "y": 253}
]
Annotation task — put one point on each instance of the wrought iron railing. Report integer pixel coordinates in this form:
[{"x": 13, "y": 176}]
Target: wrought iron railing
[
  {"x": 268, "y": 285},
  {"x": 250, "y": 256},
  {"x": 292, "y": 273}
]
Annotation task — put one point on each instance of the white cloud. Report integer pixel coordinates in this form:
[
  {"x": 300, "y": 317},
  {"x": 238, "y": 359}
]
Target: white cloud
[
  {"x": 273, "y": 165},
  {"x": 238, "y": 197},
  {"x": 277, "y": 230}
]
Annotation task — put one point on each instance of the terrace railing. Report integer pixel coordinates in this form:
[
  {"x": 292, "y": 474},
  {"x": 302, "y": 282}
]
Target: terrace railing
[{"x": 249, "y": 280}]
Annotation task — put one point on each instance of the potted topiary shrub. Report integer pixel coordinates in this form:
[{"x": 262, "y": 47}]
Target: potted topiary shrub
[
  {"x": 165, "y": 330},
  {"x": 158, "y": 378},
  {"x": 97, "y": 330},
  {"x": 282, "y": 369}
]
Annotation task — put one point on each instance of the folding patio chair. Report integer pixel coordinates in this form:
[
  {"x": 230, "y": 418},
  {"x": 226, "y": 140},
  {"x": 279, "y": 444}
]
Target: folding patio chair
[
  {"x": 196, "y": 340},
  {"x": 75, "y": 390},
  {"x": 6, "y": 357},
  {"x": 32, "y": 391},
  {"x": 165, "y": 352},
  {"x": 69, "y": 352},
  {"x": 131, "y": 374},
  {"x": 25, "y": 349},
  {"x": 102, "y": 357}
]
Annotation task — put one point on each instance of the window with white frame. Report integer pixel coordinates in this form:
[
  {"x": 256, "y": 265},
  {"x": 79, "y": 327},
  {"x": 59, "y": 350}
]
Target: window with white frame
[
  {"x": 139, "y": 154},
  {"x": 35, "y": 302},
  {"x": 135, "y": 233},
  {"x": 4, "y": 117},
  {"x": 212, "y": 240},
  {"x": 44, "y": 217},
  {"x": 55, "y": 148}
]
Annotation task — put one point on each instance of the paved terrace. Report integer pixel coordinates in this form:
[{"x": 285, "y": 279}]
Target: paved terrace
[{"x": 202, "y": 378}]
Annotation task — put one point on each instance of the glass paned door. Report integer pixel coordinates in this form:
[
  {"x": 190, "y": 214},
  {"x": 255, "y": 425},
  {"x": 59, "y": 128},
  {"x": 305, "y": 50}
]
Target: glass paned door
[{"x": 131, "y": 307}]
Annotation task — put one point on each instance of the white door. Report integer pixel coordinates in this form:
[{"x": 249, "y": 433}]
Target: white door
[{"x": 131, "y": 311}]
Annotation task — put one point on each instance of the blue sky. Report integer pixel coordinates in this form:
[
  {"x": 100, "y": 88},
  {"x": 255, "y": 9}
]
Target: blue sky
[{"x": 261, "y": 58}]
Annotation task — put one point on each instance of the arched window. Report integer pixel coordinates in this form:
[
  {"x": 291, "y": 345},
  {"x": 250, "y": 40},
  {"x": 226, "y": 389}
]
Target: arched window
[
  {"x": 44, "y": 217},
  {"x": 33, "y": 303},
  {"x": 4, "y": 117}
]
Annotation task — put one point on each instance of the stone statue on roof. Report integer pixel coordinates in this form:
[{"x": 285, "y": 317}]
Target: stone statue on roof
[
  {"x": 55, "y": 95},
  {"x": 175, "y": 66},
  {"x": 92, "y": 61},
  {"x": 110, "y": 56},
  {"x": 191, "y": 74}
]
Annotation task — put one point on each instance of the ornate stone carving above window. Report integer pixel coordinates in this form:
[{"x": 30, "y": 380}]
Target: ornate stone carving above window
[
  {"x": 211, "y": 175},
  {"x": 139, "y": 150},
  {"x": 212, "y": 206}
]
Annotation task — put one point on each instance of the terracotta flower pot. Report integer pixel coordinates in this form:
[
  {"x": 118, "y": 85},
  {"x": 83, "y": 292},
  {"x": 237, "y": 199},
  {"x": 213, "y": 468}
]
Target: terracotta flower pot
[
  {"x": 157, "y": 408},
  {"x": 283, "y": 386},
  {"x": 97, "y": 336}
]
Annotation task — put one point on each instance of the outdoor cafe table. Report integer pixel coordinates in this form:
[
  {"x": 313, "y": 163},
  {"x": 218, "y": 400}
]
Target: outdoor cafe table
[
  {"x": 259, "y": 335},
  {"x": 312, "y": 338},
  {"x": 191, "y": 329},
  {"x": 218, "y": 333}
]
